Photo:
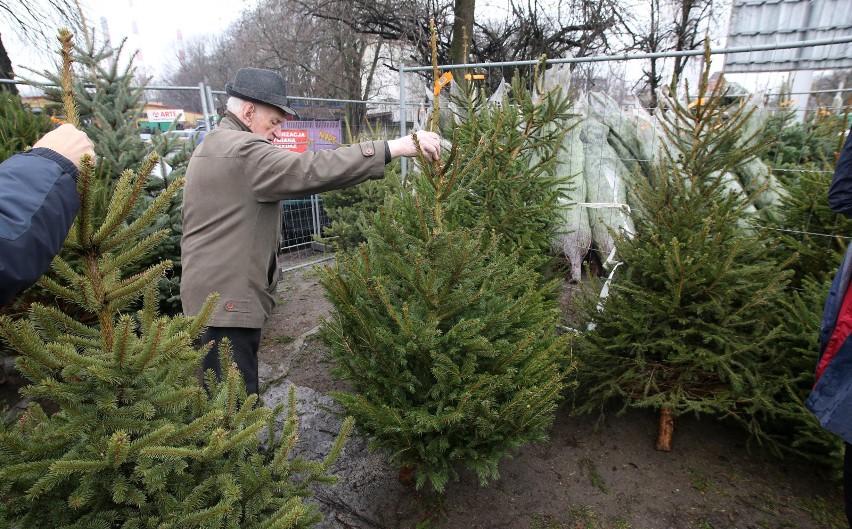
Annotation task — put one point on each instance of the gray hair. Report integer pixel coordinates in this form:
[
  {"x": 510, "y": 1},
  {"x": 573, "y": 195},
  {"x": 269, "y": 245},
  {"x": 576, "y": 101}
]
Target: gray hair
[{"x": 235, "y": 105}]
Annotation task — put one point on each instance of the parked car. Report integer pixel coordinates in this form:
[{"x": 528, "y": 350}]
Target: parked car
[
  {"x": 182, "y": 135},
  {"x": 196, "y": 134}
]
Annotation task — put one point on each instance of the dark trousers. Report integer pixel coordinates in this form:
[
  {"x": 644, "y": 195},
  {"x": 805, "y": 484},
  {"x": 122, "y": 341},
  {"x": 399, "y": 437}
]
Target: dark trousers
[
  {"x": 244, "y": 346},
  {"x": 847, "y": 482}
]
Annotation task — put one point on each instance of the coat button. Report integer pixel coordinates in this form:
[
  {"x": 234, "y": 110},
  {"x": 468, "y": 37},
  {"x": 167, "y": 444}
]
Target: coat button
[
  {"x": 229, "y": 305},
  {"x": 368, "y": 151}
]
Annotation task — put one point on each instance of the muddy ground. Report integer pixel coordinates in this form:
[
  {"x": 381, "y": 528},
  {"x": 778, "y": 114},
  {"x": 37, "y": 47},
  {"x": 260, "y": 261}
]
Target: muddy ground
[{"x": 585, "y": 477}]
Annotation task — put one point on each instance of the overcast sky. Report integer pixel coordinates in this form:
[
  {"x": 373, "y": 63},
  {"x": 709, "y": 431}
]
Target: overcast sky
[{"x": 151, "y": 26}]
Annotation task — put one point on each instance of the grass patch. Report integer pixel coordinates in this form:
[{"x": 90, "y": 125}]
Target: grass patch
[
  {"x": 588, "y": 468},
  {"x": 545, "y": 522},
  {"x": 699, "y": 481},
  {"x": 822, "y": 512},
  {"x": 582, "y": 517}
]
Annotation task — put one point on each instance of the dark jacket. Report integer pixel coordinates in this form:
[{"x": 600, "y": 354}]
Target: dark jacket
[
  {"x": 831, "y": 399},
  {"x": 38, "y": 204},
  {"x": 840, "y": 192}
]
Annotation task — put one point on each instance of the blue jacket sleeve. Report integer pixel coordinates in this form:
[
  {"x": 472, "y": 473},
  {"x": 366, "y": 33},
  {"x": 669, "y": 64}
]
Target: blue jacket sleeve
[
  {"x": 38, "y": 204},
  {"x": 840, "y": 192}
]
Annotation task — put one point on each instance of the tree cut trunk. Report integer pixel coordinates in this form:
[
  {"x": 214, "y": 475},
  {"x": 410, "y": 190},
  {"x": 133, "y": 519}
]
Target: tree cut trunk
[
  {"x": 406, "y": 475},
  {"x": 664, "y": 434}
]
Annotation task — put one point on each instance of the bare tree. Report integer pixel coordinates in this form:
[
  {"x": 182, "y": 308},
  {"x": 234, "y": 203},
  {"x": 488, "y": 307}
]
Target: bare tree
[
  {"x": 529, "y": 28},
  {"x": 204, "y": 60},
  {"x": 318, "y": 57},
  {"x": 534, "y": 28},
  {"x": 463, "y": 20},
  {"x": 834, "y": 90},
  {"x": 29, "y": 23},
  {"x": 6, "y": 71},
  {"x": 670, "y": 25},
  {"x": 393, "y": 20}
]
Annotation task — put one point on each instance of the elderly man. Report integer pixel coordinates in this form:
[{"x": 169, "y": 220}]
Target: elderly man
[{"x": 232, "y": 210}]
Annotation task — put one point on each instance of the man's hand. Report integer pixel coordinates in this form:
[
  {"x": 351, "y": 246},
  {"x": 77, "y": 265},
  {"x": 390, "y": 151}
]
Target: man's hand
[
  {"x": 68, "y": 141},
  {"x": 430, "y": 144}
]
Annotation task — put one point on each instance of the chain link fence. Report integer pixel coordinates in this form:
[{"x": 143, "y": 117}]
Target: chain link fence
[{"x": 602, "y": 86}]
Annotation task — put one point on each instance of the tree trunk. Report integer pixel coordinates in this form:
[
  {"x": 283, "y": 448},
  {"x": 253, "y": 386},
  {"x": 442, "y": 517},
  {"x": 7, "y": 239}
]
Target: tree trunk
[
  {"x": 664, "y": 434},
  {"x": 6, "y": 69},
  {"x": 406, "y": 475},
  {"x": 462, "y": 31},
  {"x": 463, "y": 13}
]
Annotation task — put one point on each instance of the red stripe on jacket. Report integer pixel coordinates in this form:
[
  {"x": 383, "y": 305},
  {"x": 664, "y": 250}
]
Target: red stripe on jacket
[{"x": 842, "y": 330}]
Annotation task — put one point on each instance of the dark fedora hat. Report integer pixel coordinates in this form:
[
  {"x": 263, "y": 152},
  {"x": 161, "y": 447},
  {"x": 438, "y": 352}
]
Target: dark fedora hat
[{"x": 260, "y": 86}]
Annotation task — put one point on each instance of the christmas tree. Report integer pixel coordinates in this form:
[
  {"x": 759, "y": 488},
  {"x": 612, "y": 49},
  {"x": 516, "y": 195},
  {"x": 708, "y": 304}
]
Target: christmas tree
[
  {"x": 819, "y": 238},
  {"x": 120, "y": 433},
  {"x": 450, "y": 341},
  {"x": 19, "y": 128},
  {"x": 793, "y": 429},
  {"x": 351, "y": 209},
  {"x": 807, "y": 226},
  {"x": 509, "y": 154},
  {"x": 111, "y": 98},
  {"x": 692, "y": 314}
]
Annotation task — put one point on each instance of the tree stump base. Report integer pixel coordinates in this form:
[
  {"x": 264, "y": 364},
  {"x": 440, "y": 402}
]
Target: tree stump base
[
  {"x": 406, "y": 475},
  {"x": 666, "y": 431}
]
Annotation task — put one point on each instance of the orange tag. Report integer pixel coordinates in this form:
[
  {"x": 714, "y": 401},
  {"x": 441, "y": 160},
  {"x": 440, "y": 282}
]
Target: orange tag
[{"x": 443, "y": 81}]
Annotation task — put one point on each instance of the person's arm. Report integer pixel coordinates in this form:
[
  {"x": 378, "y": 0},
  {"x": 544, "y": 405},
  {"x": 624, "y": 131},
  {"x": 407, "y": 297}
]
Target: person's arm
[
  {"x": 38, "y": 204},
  {"x": 277, "y": 174},
  {"x": 430, "y": 145},
  {"x": 840, "y": 192}
]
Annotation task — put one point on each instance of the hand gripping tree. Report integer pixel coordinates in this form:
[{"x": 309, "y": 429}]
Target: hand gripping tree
[
  {"x": 450, "y": 343},
  {"x": 120, "y": 433},
  {"x": 692, "y": 314}
]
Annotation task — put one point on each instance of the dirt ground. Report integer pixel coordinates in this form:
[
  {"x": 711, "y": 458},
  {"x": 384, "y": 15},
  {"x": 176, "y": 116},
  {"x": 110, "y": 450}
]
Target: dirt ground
[{"x": 585, "y": 477}]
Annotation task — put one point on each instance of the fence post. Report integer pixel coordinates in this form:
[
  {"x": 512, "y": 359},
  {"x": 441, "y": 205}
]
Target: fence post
[
  {"x": 212, "y": 103},
  {"x": 403, "y": 119},
  {"x": 203, "y": 93},
  {"x": 315, "y": 211}
]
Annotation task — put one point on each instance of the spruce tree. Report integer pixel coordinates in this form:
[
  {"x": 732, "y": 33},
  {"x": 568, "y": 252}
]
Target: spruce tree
[
  {"x": 450, "y": 341},
  {"x": 19, "y": 128},
  {"x": 691, "y": 315},
  {"x": 120, "y": 433},
  {"x": 806, "y": 226},
  {"x": 514, "y": 187},
  {"x": 793, "y": 429},
  {"x": 351, "y": 209},
  {"x": 819, "y": 238},
  {"x": 111, "y": 98},
  {"x": 793, "y": 145},
  {"x": 174, "y": 158}
]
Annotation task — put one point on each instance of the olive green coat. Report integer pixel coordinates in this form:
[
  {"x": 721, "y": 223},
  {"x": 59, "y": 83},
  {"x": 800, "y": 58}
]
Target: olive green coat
[{"x": 235, "y": 182}]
